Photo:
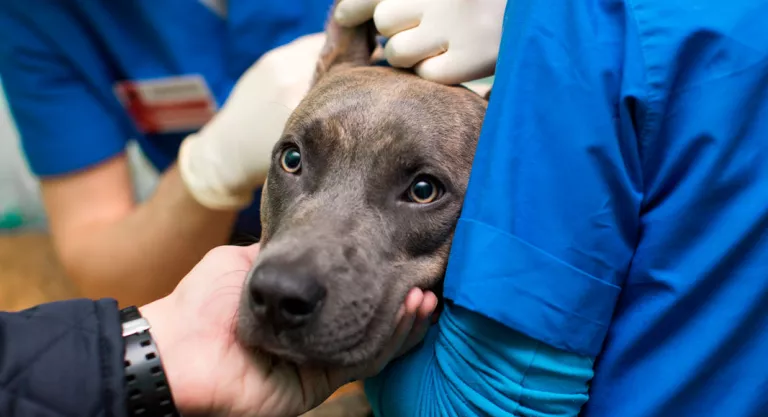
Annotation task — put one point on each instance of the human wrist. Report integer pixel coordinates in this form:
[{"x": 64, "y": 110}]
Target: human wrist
[
  {"x": 160, "y": 315},
  {"x": 148, "y": 391}
]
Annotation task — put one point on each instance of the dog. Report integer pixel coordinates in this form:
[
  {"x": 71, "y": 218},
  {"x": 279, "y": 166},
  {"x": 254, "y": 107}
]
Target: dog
[{"x": 359, "y": 206}]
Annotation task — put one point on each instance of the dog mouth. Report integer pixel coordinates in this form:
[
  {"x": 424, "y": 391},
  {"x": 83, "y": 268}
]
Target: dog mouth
[
  {"x": 338, "y": 352},
  {"x": 349, "y": 336},
  {"x": 345, "y": 358},
  {"x": 347, "y": 322}
]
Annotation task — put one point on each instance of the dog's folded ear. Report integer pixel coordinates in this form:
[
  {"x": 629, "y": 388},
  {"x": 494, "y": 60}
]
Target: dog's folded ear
[{"x": 345, "y": 47}]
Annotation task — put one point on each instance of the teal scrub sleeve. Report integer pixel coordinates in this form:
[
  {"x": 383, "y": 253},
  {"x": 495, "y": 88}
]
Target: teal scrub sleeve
[
  {"x": 65, "y": 121},
  {"x": 551, "y": 218},
  {"x": 470, "y": 365}
]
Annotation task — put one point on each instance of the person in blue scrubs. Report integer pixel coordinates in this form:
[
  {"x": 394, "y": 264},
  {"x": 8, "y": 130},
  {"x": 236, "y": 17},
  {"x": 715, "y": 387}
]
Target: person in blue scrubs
[
  {"x": 611, "y": 259},
  {"x": 63, "y": 65}
]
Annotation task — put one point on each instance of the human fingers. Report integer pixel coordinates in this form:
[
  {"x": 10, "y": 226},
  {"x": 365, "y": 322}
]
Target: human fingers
[
  {"x": 354, "y": 12},
  {"x": 408, "y": 48},
  {"x": 413, "y": 301},
  {"x": 453, "y": 68},
  {"x": 394, "y": 16},
  {"x": 252, "y": 251},
  {"x": 405, "y": 319},
  {"x": 428, "y": 306},
  {"x": 421, "y": 324},
  {"x": 403, "y": 329}
]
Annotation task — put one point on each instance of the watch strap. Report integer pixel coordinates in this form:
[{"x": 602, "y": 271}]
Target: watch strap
[{"x": 148, "y": 393}]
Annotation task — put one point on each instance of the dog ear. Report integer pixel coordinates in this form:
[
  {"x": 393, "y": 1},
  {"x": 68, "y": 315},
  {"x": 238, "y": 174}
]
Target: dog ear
[{"x": 345, "y": 47}]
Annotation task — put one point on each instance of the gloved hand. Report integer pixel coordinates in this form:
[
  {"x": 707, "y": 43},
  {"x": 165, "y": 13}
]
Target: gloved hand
[
  {"x": 229, "y": 157},
  {"x": 447, "y": 41}
]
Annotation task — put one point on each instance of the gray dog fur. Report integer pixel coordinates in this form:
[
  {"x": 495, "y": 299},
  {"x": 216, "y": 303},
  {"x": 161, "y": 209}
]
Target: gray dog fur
[{"x": 343, "y": 221}]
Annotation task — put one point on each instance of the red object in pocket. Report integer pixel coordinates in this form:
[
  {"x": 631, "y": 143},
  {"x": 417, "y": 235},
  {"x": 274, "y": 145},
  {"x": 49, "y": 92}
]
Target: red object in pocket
[{"x": 172, "y": 104}]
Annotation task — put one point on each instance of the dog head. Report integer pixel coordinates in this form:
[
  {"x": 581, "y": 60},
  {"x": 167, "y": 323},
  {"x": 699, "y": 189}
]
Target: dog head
[{"x": 360, "y": 204}]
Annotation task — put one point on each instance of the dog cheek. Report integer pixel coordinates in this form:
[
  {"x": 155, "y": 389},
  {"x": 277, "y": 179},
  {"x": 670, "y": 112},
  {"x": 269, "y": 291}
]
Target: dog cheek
[
  {"x": 354, "y": 303},
  {"x": 391, "y": 288},
  {"x": 349, "y": 316}
]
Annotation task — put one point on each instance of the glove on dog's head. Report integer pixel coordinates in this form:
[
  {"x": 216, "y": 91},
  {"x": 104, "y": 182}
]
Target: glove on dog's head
[{"x": 360, "y": 205}]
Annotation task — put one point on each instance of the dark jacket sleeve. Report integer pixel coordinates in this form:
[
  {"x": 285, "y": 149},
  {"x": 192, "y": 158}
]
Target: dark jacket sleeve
[{"x": 62, "y": 359}]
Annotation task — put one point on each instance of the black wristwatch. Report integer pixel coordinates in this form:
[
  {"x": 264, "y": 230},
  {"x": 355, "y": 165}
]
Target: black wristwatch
[{"x": 148, "y": 394}]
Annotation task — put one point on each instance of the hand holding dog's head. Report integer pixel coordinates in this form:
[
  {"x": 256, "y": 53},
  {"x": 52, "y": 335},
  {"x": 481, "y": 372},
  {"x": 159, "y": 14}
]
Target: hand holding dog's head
[{"x": 360, "y": 204}]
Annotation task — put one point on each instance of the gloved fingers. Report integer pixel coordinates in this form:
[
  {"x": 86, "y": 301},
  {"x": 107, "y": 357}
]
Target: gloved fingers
[
  {"x": 354, "y": 12},
  {"x": 454, "y": 68},
  {"x": 408, "y": 48},
  {"x": 394, "y": 16}
]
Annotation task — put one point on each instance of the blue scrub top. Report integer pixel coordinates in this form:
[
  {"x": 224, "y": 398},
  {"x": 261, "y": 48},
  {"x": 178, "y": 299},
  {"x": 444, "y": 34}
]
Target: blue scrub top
[
  {"x": 618, "y": 205},
  {"x": 60, "y": 60}
]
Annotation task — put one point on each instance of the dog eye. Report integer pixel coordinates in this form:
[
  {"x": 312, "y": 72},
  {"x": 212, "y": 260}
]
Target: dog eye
[
  {"x": 424, "y": 190},
  {"x": 290, "y": 160}
]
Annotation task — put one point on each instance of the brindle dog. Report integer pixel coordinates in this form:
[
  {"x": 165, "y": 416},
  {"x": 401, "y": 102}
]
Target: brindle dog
[{"x": 360, "y": 205}]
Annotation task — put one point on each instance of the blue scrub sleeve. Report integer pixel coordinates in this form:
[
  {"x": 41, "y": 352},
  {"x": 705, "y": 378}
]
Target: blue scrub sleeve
[
  {"x": 549, "y": 225},
  {"x": 551, "y": 216},
  {"x": 470, "y": 365},
  {"x": 66, "y": 123}
]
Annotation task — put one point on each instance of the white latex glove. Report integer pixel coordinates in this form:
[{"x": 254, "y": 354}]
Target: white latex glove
[
  {"x": 447, "y": 41},
  {"x": 229, "y": 157}
]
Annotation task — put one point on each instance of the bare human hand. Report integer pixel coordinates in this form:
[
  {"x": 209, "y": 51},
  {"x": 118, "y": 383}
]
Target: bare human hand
[{"x": 211, "y": 374}]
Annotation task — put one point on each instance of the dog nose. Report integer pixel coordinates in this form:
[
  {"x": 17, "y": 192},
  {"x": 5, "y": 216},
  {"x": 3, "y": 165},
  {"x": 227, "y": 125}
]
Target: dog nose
[{"x": 286, "y": 297}]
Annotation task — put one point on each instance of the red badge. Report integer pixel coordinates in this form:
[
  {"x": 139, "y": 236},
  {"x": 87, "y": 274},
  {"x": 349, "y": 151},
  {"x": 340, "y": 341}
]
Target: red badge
[{"x": 167, "y": 105}]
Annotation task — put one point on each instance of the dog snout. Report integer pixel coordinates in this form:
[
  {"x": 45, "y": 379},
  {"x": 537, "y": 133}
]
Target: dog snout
[{"x": 286, "y": 295}]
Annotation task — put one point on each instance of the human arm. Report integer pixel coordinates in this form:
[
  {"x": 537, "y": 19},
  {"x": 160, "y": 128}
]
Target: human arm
[
  {"x": 62, "y": 358},
  {"x": 551, "y": 217},
  {"x": 67, "y": 357},
  {"x": 74, "y": 138},
  {"x": 471, "y": 365},
  {"x": 236, "y": 381},
  {"x": 194, "y": 205},
  {"x": 112, "y": 246},
  {"x": 74, "y": 141}
]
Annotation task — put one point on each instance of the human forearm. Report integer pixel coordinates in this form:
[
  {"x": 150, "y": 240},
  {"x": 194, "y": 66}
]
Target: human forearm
[
  {"x": 142, "y": 256},
  {"x": 140, "y": 253},
  {"x": 471, "y": 365}
]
